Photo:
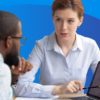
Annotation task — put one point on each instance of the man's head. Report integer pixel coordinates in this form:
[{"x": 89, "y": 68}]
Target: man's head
[{"x": 10, "y": 33}]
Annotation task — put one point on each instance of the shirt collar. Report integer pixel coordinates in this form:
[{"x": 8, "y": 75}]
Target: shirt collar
[
  {"x": 52, "y": 43},
  {"x": 78, "y": 44}
]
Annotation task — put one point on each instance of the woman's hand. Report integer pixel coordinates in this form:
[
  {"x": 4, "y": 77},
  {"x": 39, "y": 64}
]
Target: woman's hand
[
  {"x": 71, "y": 87},
  {"x": 74, "y": 86}
]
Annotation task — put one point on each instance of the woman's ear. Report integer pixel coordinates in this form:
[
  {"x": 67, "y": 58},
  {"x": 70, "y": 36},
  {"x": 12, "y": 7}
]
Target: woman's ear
[{"x": 80, "y": 21}]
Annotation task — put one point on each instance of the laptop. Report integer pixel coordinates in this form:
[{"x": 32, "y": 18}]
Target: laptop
[{"x": 93, "y": 93}]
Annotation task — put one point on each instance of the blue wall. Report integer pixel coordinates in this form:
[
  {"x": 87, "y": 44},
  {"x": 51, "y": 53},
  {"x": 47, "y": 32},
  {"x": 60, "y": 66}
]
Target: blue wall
[{"x": 37, "y": 21}]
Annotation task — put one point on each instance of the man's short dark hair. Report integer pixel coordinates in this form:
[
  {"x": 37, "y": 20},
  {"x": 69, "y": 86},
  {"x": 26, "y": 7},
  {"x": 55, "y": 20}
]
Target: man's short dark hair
[{"x": 8, "y": 24}]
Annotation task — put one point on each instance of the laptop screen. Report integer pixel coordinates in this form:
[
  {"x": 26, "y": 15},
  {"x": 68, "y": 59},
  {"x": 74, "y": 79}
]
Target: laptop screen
[{"x": 95, "y": 92}]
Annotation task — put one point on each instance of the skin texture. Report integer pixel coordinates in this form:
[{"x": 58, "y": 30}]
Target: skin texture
[{"x": 66, "y": 23}]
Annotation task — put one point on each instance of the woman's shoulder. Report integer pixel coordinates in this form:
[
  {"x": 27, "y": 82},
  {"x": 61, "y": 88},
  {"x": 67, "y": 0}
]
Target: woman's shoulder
[
  {"x": 87, "y": 40},
  {"x": 45, "y": 41}
]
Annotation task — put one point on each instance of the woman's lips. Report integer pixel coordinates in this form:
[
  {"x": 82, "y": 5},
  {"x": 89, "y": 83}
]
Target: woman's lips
[{"x": 64, "y": 34}]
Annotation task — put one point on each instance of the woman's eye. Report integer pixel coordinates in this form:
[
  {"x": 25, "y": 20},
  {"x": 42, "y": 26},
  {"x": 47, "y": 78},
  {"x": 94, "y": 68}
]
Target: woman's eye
[
  {"x": 70, "y": 21},
  {"x": 58, "y": 19}
]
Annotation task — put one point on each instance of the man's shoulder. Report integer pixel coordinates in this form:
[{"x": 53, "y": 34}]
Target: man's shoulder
[{"x": 4, "y": 68}]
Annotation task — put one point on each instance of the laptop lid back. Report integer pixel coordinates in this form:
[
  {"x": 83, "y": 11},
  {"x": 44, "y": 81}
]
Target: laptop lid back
[{"x": 95, "y": 92}]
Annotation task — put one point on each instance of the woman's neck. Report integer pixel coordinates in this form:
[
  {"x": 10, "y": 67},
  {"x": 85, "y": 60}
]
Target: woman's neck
[{"x": 66, "y": 45}]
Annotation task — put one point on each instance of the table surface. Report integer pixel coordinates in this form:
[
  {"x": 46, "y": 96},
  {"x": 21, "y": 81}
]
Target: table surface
[{"x": 60, "y": 97}]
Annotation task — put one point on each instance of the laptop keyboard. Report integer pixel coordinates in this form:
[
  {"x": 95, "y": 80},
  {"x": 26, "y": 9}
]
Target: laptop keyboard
[{"x": 82, "y": 98}]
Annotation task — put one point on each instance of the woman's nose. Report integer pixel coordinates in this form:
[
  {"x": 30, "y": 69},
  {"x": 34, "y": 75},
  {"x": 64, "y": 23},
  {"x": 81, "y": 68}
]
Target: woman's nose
[{"x": 64, "y": 25}]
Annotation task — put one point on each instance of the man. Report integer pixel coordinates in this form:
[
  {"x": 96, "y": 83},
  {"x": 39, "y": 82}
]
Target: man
[{"x": 10, "y": 33}]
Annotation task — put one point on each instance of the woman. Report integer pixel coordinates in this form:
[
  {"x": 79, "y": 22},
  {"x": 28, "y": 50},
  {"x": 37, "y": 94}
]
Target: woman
[{"x": 64, "y": 56}]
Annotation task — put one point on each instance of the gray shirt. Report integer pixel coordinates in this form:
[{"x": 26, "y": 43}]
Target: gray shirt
[{"x": 55, "y": 68}]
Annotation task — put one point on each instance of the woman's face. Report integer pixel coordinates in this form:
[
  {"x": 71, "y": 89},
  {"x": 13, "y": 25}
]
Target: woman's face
[{"x": 66, "y": 22}]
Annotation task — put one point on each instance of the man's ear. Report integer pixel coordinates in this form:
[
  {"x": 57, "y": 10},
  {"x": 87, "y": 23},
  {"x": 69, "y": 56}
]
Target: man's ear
[
  {"x": 8, "y": 42},
  {"x": 80, "y": 21}
]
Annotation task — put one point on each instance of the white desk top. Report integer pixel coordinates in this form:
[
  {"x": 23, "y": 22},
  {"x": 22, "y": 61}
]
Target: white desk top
[
  {"x": 54, "y": 98},
  {"x": 20, "y": 98}
]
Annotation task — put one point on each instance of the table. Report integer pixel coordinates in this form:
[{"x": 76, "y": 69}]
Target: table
[{"x": 60, "y": 97}]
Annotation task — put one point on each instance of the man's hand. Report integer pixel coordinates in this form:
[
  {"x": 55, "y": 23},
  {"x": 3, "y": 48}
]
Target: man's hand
[{"x": 22, "y": 67}]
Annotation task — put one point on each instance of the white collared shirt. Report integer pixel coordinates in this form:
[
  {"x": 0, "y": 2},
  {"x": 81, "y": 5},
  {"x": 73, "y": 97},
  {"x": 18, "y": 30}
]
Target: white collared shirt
[
  {"x": 5, "y": 81},
  {"x": 55, "y": 68}
]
